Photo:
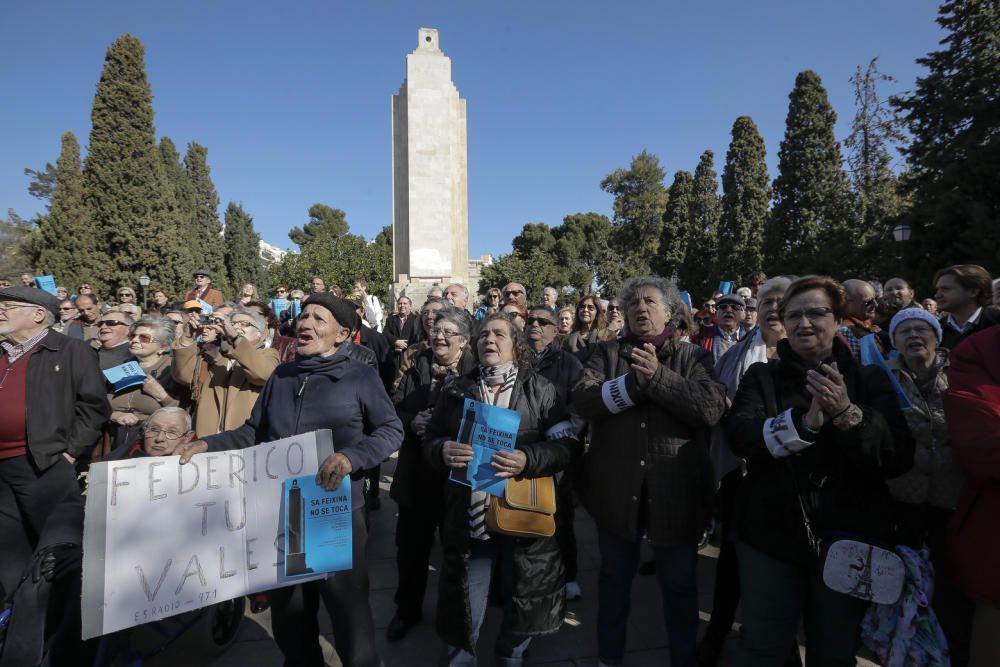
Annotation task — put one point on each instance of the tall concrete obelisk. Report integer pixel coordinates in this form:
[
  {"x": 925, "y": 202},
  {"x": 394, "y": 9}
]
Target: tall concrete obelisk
[{"x": 430, "y": 212}]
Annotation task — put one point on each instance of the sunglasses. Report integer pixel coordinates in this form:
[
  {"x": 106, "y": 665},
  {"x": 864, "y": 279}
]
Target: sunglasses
[
  {"x": 282, "y": 291},
  {"x": 705, "y": 321},
  {"x": 544, "y": 321},
  {"x": 111, "y": 323},
  {"x": 145, "y": 339},
  {"x": 67, "y": 307}
]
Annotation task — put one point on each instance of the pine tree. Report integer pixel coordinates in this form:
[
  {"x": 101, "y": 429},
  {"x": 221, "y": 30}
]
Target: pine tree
[
  {"x": 746, "y": 194},
  {"x": 184, "y": 197},
  {"x": 699, "y": 273},
  {"x": 640, "y": 199},
  {"x": 953, "y": 117},
  {"x": 67, "y": 247},
  {"x": 676, "y": 226},
  {"x": 323, "y": 221},
  {"x": 812, "y": 199},
  {"x": 242, "y": 244},
  {"x": 125, "y": 188},
  {"x": 206, "y": 227}
]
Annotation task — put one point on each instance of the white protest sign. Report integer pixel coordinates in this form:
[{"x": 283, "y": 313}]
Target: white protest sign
[{"x": 161, "y": 539}]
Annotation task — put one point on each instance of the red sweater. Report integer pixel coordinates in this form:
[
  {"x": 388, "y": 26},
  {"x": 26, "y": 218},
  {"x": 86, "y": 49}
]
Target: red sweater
[{"x": 13, "y": 407}]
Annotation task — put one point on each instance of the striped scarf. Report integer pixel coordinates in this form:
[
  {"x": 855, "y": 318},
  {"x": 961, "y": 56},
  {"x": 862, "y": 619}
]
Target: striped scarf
[{"x": 489, "y": 377}]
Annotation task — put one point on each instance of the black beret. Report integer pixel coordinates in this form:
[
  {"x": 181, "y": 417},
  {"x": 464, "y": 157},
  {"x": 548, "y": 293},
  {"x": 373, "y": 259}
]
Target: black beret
[
  {"x": 343, "y": 311},
  {"x": 33, "y": 295}
]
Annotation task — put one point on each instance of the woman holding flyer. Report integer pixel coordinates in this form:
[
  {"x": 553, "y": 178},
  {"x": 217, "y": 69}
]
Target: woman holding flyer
[{"x": 528, "y": 571}]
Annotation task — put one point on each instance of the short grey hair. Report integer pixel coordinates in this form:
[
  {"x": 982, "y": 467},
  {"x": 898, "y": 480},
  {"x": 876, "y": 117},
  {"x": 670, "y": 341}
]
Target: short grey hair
[
  {"x": 259, "y": 321},
  {"x": 776, "y": 284},
  {"x": 458, "y": 317},
  {"x": 163, "y": 329},
  {"x": 171, "y": 410},
  {"x": 671, "y": 296},
  {"x": 227, "y": 304},
  {"x": 464, "y": 289}
]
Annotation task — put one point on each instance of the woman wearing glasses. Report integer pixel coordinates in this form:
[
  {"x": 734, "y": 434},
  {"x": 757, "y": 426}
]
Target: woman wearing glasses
[
  {"x": 492, "y": 304},
  {"x": 125, "y": 295},
  {"x": 589, "y": 328},
  {"x": 416, "y": 486},
  {"x": 149, "y": 342},
  {"x": 820, "y": 435}
]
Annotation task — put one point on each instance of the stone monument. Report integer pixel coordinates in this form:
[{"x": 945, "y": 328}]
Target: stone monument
[{"x": 430, "y": 203}]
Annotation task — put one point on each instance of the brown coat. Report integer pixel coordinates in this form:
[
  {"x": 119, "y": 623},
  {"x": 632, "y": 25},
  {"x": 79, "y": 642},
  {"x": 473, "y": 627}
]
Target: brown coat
[{"x": 227, "y": 392}]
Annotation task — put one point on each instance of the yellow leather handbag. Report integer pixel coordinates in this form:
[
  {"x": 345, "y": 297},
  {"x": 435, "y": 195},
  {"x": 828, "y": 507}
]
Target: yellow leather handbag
[{"x": 527, "y": 508}]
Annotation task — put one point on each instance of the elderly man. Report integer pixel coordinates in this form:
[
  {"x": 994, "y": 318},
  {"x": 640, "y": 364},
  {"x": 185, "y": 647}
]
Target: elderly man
[
  {"x": 402, "y": 328},
  {"x": 90, "y": 312},
  {"x": 203, "y": 289},
  {"x": 112, "y": 339},
  {"x": 457, "y": 295},
  {"x": 861, "y": 308},
  {"x": 514, "y": 293},
  {"x": 52, "y": 406},
  {"x": 69, "y": 320},
  {"x": 374, "y": 312},
  {"x": 317, "y": 285},
  {"x": 324, "y": 388},
  {"x": 164, "y": 431},
  {"x": 898, "y": 294},
  {"x": 550, "y": 297},
  {"x": 728, "y": 327},
  {"x": 27, "y": 280}
]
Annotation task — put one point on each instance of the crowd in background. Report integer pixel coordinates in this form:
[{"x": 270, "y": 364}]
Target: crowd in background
[{"x": 764, "y": 420}]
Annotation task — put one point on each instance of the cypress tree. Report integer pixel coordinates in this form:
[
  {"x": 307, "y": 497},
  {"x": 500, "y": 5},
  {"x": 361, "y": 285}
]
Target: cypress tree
[
  {"x": 746, "y": 194},
  {"x": 812, "y": 200},
  {"x": 676, "y": 225},
  {"x": 207, "y": 229},
  {"x": 953, "y": 116},
  {"x": 68, "y": 248},
  {"x": 125, "y": 188},
  {"x": 184, "y": 196},
  {"x": 699, "y": 273},
  {"x": 242, "y": 243}
]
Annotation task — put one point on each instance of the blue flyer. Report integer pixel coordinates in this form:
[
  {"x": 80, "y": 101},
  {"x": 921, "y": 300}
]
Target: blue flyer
[
  {"x": 125, "y": 376},
  {"x": 279, "y": 306},
  {"x": 488, "y": 429},
  {"x": 47, "y": 283},
  {"x": 686, "y": 298},
  {"x": 318, "y": 535},
  {"x": 726, "y": 286}
]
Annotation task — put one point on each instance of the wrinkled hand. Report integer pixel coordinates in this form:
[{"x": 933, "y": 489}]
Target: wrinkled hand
[
  {"x": 815, "y": 418},
  {"x": 401, "y": 345},
  {"x": 509, "y": 464},
  {"x": 455, "y": 454},
  {"x": 152, "y": 388},
  {"x": 828, "y": 389},
  {"x": 333, "y": 471},
  {"x": 644, "y": 363},
  {"x": 420, "y": 422},
  {"x": 124, "y": 418},
  {"x": 188, "y": 449},
  {"x": 193, "y": 324}
]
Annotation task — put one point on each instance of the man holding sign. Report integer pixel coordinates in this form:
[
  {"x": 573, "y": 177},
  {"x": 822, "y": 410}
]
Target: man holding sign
[{"x": 323, "y": 389}]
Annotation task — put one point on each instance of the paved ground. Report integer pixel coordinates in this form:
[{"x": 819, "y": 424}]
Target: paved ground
[{"x": 575, "y": 645}]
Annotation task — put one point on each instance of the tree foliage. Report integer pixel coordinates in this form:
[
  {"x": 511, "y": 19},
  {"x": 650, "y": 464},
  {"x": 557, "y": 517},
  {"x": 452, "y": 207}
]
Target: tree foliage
[
  {"x": 640, "y": 200},
  {"x": 183, "y": 191},
  {"x": 324, "y": 221},
  {"x": 206, "y": 228},
  {"x": 953, "y": 116},
  {"x": 746, "y": 195},
  {"x": 699, "y": 273},
  {"x": 676, "y": 226},
  {"x": 812, "y": 198},
  {"x": 43, "y": 181},
  {"x": 125, "y": 187},
  {"x": 68, "y": 248},
  {"x": 16, "y": 243},
  {"x": 242, "y": 244}
]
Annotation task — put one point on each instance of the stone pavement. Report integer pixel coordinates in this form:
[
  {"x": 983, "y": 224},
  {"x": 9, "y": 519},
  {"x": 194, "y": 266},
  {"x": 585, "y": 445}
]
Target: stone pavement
[{"x": 574, "y": 645}]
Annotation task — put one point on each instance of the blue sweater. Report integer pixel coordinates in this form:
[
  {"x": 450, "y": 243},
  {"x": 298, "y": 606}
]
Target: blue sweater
[{"x": 334, "y": 392}]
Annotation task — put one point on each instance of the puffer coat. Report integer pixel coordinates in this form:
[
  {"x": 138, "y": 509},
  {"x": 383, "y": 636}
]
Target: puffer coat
[{"x": 539, "y": 599}]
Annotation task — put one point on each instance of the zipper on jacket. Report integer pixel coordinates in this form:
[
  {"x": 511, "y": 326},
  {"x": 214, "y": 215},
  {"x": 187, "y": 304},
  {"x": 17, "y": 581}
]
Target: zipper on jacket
[{"x": 298, "y": 399}]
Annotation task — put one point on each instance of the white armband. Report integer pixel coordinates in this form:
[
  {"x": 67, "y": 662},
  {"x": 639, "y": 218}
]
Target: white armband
[
  {"x": 781, "y": 437},
  {"x": 563, "y": 429},
  {"x": 615, "y": 395}
]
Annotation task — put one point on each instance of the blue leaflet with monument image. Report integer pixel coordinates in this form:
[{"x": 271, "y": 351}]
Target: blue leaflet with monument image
[
  {"x": 318, "y": 535},
  {"x": 726, "y": 286},
  {"x": 47, "y": 283},
  {"x": 125, "y": 376},
  {"x": 488, "y": 429}
]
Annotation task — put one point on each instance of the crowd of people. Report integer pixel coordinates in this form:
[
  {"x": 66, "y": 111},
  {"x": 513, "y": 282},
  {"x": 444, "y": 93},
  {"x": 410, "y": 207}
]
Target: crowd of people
[{"x": 773, "y": 421}]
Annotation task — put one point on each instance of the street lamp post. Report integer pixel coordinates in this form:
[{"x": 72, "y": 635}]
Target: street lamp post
[
  {"x": 902, "y": 233},
  {"x": 144, "y": 283}
]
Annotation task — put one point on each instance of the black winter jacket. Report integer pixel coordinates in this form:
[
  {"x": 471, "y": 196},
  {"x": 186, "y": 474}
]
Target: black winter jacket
[
  {"x": 414, "y": 477},
  {"x": 654, "y": 450},
  {"x": 538, "y": 577},
  {"x": 66, "y": 397},
  {"x": 563, "y": 369},
  {"x": 841, "y": 477}
]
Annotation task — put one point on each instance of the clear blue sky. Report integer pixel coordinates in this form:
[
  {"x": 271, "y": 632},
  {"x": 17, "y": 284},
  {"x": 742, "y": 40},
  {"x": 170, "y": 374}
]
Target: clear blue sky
[{"x": 292, "y": 98}]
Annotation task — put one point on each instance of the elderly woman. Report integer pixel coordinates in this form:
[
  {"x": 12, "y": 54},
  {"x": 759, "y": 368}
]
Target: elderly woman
[
  {"x": 757, "y": 347},
  {"x": 615, "y": 314},
  {"x": 565, "y": 322},
  {"x": 416, "y": 487},
  {"x": 427, "y": 314},
  {"x": 112, "y": 338},
  {"x": 491, "y": 304},
  {"x": 516, "y": 313},
  {"x": 149, "y": 343},
  {"x": 820, "y": 435},
  {"x": 238, "y": 367},
  {"x": 125, "y": 295},
  {"x": 526, "y": 572},
  {"x": 927, "y": 495},
  {"x": 589, "y": 328},
  {"x": 651, "y": 402}
]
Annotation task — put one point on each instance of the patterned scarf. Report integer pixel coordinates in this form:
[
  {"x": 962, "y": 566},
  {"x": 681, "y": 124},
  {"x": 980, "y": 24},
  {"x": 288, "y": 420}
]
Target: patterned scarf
[{"x": 502, "y": 375}]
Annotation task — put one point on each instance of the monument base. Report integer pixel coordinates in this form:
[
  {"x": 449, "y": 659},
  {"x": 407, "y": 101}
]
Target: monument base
[{"x": 417, "y": 288}]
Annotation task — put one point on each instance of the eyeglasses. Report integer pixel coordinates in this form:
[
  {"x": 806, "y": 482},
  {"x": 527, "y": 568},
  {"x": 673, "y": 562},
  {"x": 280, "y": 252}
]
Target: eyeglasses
[
  {"x": 611, "y": 307},
  {"x": 443, "y": 333},
  {"x": 282, "y": 291},
  {"x": 729, "y": 306},
  {"x": 544, "y": 321},
  {"x": 200, "y": 275},
  {"x": 111, "y": 323},
  {"x": 143, "y": 338},
  {"x": 243, "y": 324},
  {"x": 169, "y": 435},
  {"x": 812, "y": 314},
  {"x": 67, "y": 307},
  {"x": 707, "y": 321},
  {"x": 125, "y": 294}
]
